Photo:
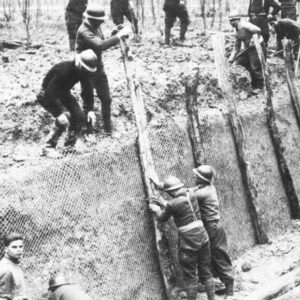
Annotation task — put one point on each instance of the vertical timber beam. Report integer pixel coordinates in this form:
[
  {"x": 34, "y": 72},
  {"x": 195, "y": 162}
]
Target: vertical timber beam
[
  {"x": 239, "y": 138},
  {"x": 276, "y": 139},
  {"x": 148, "y": 171},
  {"x": 191, "y": 86},
  {"x": 290, "y": 76}
]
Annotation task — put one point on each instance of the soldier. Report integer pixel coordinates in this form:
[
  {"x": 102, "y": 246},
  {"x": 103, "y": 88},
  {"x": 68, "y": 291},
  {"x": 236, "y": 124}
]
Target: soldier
[
  {"x": 194, "y": 251},
  {"x": 121, "y": 8},
  {"x": 249, "y": 59},
  {"x": 174, "y": 9},
  {"x": 61, "y": 289},
  {"x": 56, "y": 98},
  {"x": 259, "y": 10},
  {"x": 286, "y": 28},
  {"x": 73, "y": 17},
  {"x": 12, "y": 282},
  {"x": 206, "y": 195},
  {"x": 90, "y": 36}
]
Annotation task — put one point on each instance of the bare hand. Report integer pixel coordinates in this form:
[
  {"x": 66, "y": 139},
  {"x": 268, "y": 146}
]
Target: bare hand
[{"x": 91, "y": 118}]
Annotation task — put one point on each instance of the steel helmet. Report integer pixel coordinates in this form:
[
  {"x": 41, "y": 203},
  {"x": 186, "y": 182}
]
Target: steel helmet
[
  {"x": 57, "y": 280},
  {"x": 172, "y": 183},
  {"x": 88, "y": 59},
  {"x": 205, "y": 172},
  {"x": 96, "y": 12},
  {"x": 235, "y": 15}
]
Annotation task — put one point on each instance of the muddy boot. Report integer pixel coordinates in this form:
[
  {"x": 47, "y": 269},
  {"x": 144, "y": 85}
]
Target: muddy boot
[
  {"x": 183, "y": 30},
  {"x": 191, "y": 292},
  {"x": 56, "y": 134},
  {"x": 167, "y": 36},
  {"x": 71, "y": 139},
  {"x": 210, "y": 289},
  {"x": 228, "y": 290}
]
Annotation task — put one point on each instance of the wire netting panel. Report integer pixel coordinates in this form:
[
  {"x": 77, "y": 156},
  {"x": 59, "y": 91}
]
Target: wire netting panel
[
  {"x": 85, "y": 216},
  {"x": 219, "y": 151}
]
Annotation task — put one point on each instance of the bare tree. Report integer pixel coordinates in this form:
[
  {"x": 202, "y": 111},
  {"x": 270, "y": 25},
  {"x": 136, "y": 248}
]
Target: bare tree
[
  {"x": 153, "y": 11},
  {"x": 25, "y": 6},
  {"x": 203, "y": 14},
  {"x": 8, "y": 9}
]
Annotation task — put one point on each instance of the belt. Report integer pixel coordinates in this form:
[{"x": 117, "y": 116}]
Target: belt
[
  {"x": 260, "y": 14},
  {"x": 190, "y": 226}
]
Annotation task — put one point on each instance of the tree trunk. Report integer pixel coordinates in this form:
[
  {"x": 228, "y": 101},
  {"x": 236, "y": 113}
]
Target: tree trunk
[
  {"x": 280, "y": 289},
  {"x": 239, "y": 138},
  {"x": 203, "y": 14},
  {"x": 276, "y": 139},
  {"x": 290, "y": 76},
  {"x": 148, "y": 171},
  {"x": 153, "y": 12}
]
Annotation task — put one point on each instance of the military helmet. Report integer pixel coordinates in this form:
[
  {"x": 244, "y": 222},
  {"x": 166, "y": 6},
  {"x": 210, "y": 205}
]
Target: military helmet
[
  {"x": 57, "y": 280},
  {"x": 235, "y": 15},
  {"x": 172, "y": 183},
  {"x": 88, "y": 59},
  {"x": 204, "y": 172},
  {"x": 95, "y": 12}
]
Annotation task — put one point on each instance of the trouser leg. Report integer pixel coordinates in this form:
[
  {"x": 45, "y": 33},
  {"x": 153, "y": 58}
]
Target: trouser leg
[
  {"x": 131, "y": 16},
  {"x": 170, "y": 18},
  {"x": 73, "y": 21},
  {"x": 76, "y": 120},
  {"x": 256, "y": 73},
  {"x": 103, "y": 93},
  {"x": 183, "y": 15},
  {"x": 117, "y": 13}
]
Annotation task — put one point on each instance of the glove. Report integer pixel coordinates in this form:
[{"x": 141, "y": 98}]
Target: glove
[
  {"x": 63, "y": 119},
  {"x": 91, "y": 118},
  {"x": 124, "y": 33},
  {"x": 117, "y": 29},
  {"x": 154, "y": 208}
]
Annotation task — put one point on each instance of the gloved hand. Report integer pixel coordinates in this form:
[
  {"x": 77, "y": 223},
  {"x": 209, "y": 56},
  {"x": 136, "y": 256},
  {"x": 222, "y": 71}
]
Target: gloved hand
[
  {"x": 154, "y": 208},
  {"x": 91, "y": 118},
  {"x": 124, "y": 33},
  {"x": 117, "y": 29}
]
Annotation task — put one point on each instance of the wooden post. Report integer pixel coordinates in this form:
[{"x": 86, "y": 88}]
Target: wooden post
[
  {"x": 191, "y": 86},
  {"x": 147, "y": 164},
  {"x": 290, "y": 76},
  {"x": 239, "y": 138},
  {"x": 280, "y": 288},
  {"x": 276, "y": 139}
]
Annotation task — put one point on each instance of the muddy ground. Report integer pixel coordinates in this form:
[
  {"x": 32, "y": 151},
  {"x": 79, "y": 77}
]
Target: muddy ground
[{"x": 24, "y": 125}]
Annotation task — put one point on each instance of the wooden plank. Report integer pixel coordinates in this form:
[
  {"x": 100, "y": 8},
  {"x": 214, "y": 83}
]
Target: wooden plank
[
  {"x": 239, "y": 138},
  {"x": 276, "y": 139},
  {"x": 147, "y": 164},
  {"x": 290, "y": 76},
  {"x": 278, "y": 288}
]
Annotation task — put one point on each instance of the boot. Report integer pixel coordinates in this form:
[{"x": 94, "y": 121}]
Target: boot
[
  {"x": 71, "y": 139},
  {"x": 106, "y": 118},
  {"x": 56, "y": 134},
  {"x": 191, "y": 291},
  {"x": 167, "y": 36},
  {"x": 183, "y": 29},
  {"x": 210, "y": 289},
  {"x": 228, "y": 290}
]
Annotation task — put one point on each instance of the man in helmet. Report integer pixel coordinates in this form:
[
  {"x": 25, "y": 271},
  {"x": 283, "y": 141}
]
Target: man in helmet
[
  {"x": 206, "y": 195},
  {"x": 12, "y": 282},
  {"x": 259, "y": 10},
  {"x": 62, "y": 289},
  {"x": 175, "y": 9},
  {"x": 73, "y": 17},
  {"x": 194, "y": 250},
  {"x": 121, "y": 8},
  {"x": 249, "y": 59},
  {"x": 57, "y": 99},
  {"x": 90, "y": 36}
]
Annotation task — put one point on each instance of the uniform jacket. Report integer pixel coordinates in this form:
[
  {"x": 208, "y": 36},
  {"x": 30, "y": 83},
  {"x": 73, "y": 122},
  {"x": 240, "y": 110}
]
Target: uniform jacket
[
  {"x": 77, "y": 6},
  {"x": 257, "y": 7},
  {"x": 207, "y": 198},
  {"x": 183, "y": 215},
  {"x": 69, "y": 292},
  {"x": 171, "y": 4},
  {"x": 63, "y": 76},
  {"x": 244, "y": 33},
  {"x": 12, "y": 282},
  {"x": 92, "y": 38}
]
